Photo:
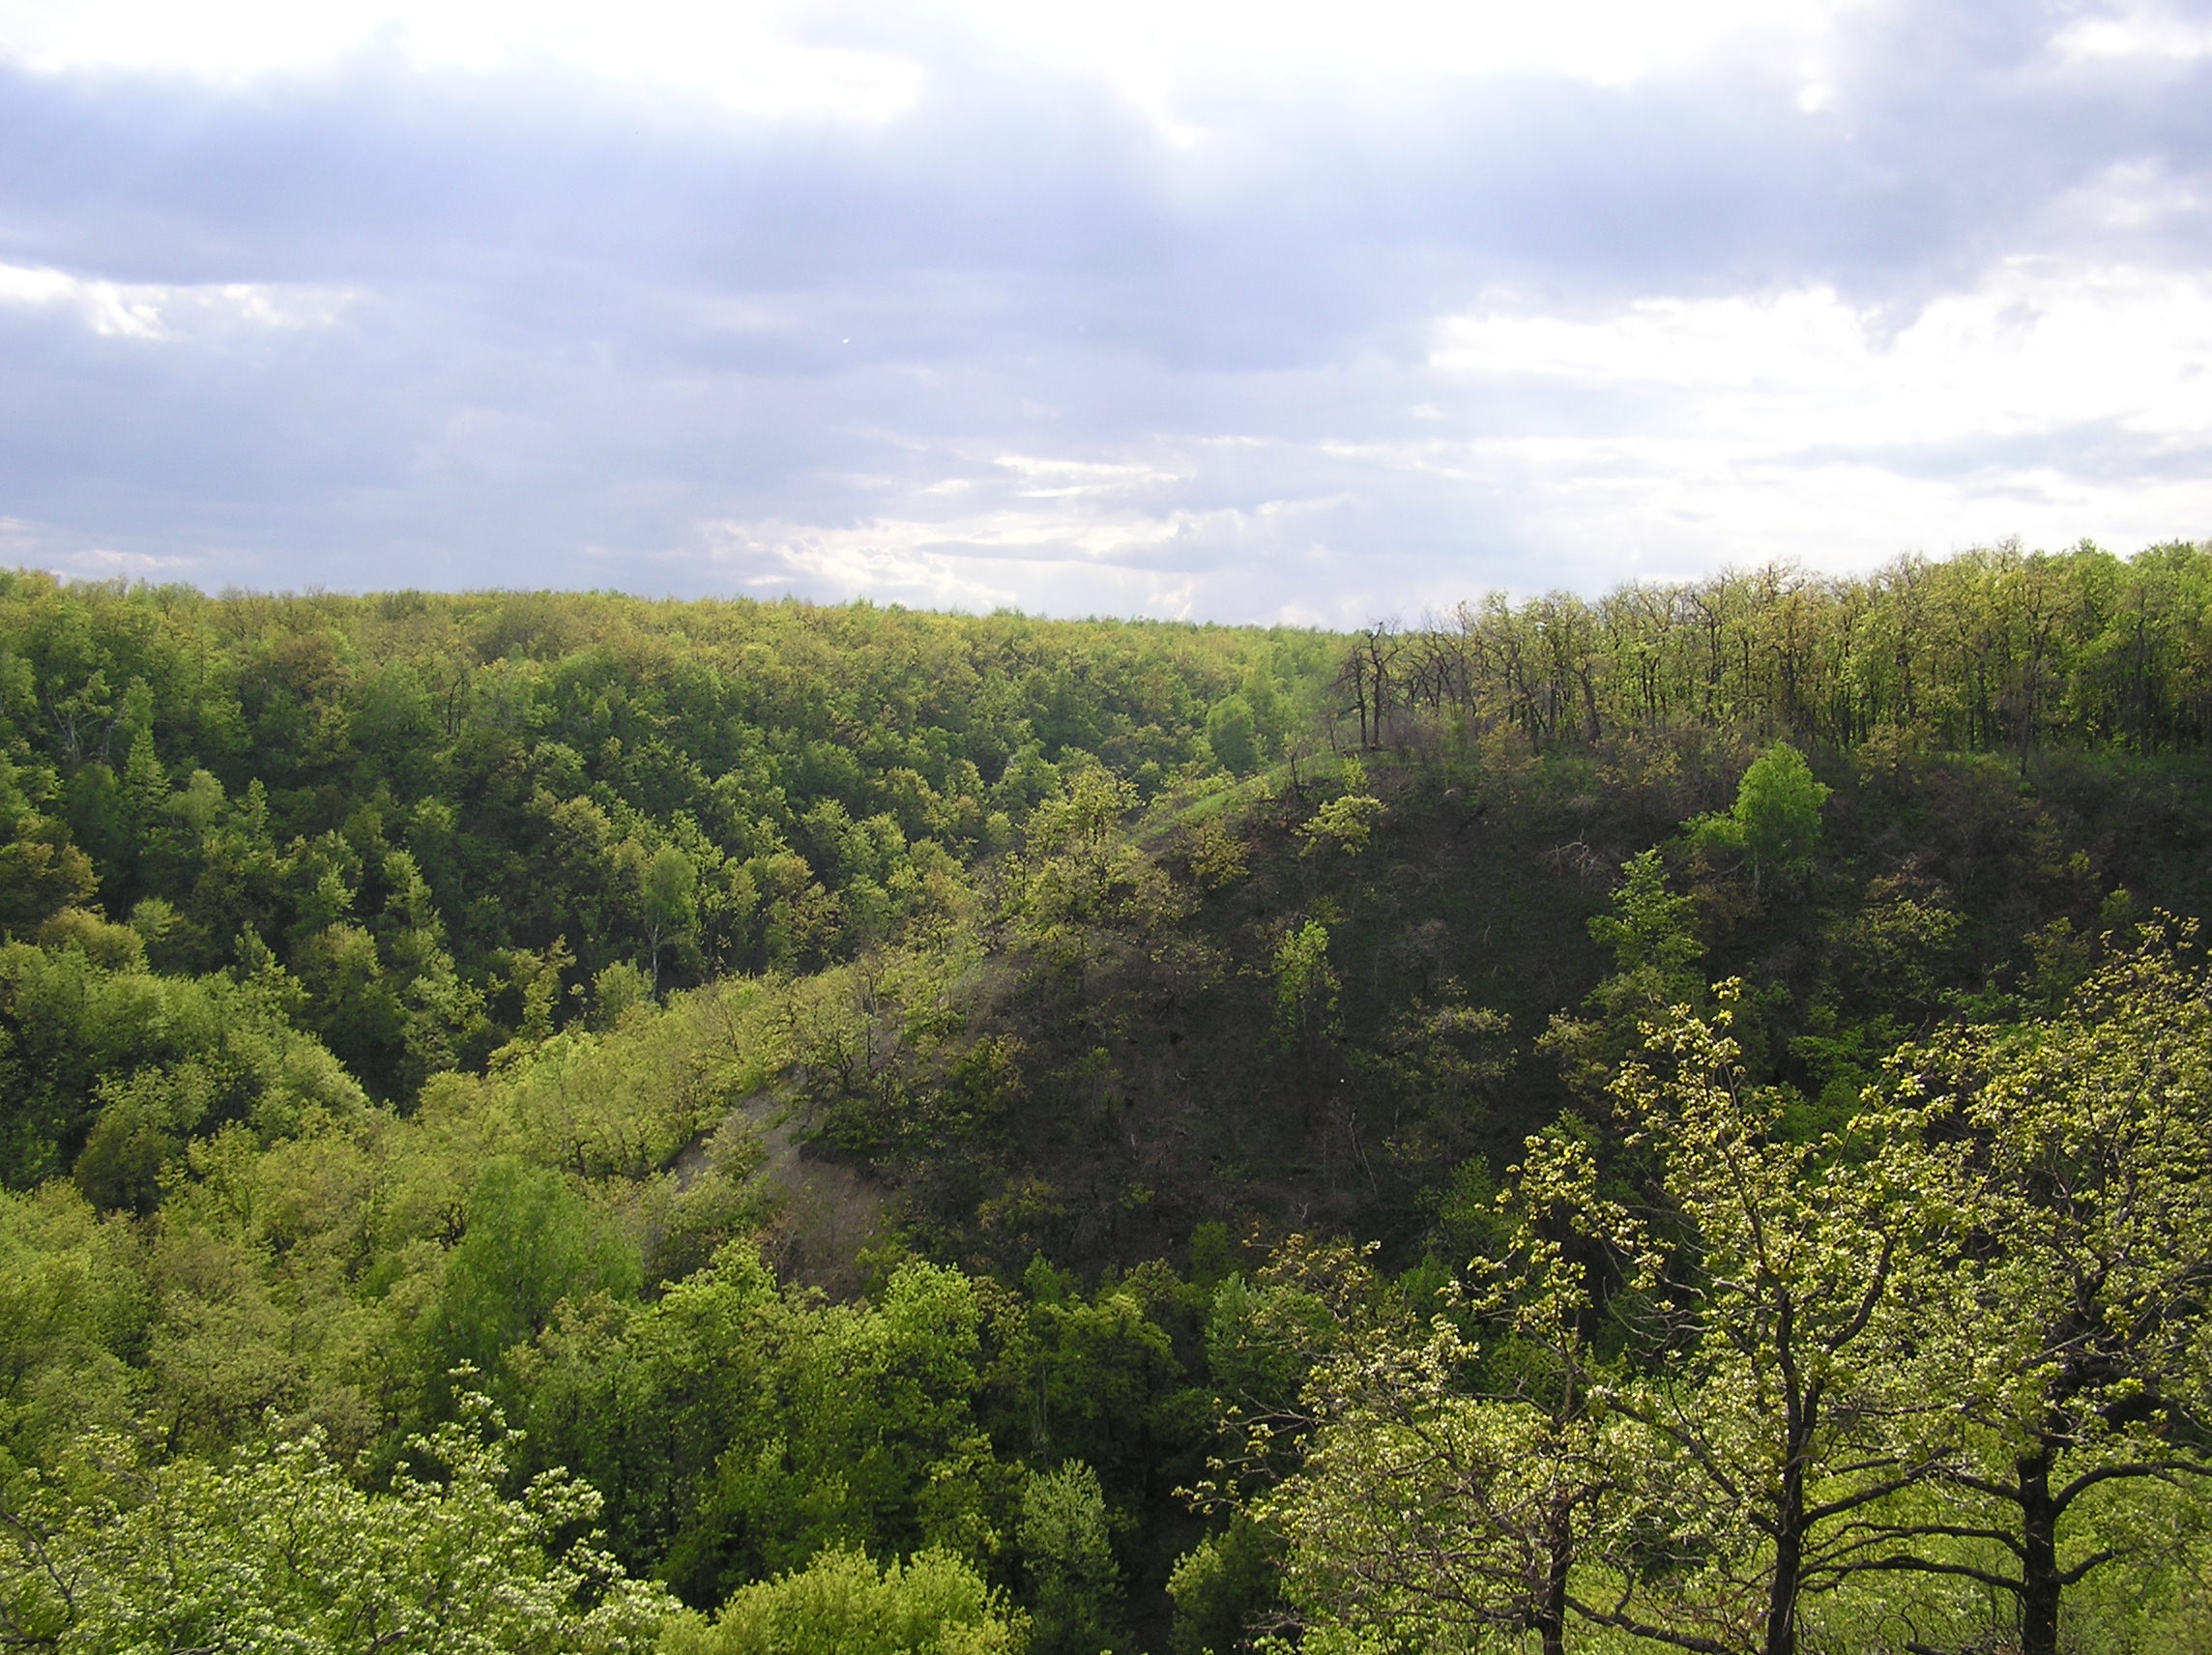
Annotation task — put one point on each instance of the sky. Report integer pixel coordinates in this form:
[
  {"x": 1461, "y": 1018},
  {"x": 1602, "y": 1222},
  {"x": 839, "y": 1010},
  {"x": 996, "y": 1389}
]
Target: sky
[{"x": 1244, "y": 312}]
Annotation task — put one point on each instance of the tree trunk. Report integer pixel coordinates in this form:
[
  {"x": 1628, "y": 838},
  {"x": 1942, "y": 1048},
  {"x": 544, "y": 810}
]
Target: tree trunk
[
  {"x": 1790, "y": 1530},
  {"x": 1558, "y": 1553},
  {"x": 1789, "y": 1566},
  {"x": 2039, "y": 1582}
]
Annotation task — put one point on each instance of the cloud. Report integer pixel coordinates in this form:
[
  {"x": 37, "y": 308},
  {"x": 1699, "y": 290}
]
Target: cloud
[
  {"x": 743, "y": 56},
  {"x": 983, "y": 305},
  {"x": 158, "y": 310}
]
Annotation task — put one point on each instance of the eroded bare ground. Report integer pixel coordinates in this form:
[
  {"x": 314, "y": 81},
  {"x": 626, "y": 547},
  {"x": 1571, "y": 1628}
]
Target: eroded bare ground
[
  {"x": 827, "y": 1213},
  {"x": 824, "y": 1213}
]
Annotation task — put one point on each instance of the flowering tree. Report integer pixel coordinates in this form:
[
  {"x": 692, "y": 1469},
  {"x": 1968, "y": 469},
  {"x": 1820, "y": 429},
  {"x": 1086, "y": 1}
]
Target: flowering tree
[{"x": 281, "y": 1553}]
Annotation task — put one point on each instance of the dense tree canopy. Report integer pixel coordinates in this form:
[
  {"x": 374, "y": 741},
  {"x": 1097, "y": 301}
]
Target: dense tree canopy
[{"x": 1675, "y": 1120}]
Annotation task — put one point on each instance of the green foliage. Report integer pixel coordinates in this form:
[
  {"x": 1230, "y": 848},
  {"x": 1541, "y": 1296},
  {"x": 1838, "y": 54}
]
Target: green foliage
[
  {"x": 847, "y": 1424},
  {"x": 1775, "y": 821},
  {"x": 1076, "y": 870},
  {"x": 1995, "y": 651},
  {"x": 41, "y": 872},
  {"x": 644, "y": 1402},
  {"x": 1947, "y": 1342},
  {"x": 74, "y": 1310},
  {"x": 1234, "y": 734},
  {"x": 402, "y": 796},
  {"x": 2073, "y": 1341},
  {"x": 1096, "y": 1377},
  {"x": 1306, "y": 988},
  {"x": 1262, "y": 1339},
  {"x": 1348, "y": 821},
  {"x": 123, "y": 1065},
  {"x": 615, "y": 990},
  {"x": 1221, "y": 1586},
  {"x": 1787, "y": 1387},
  {"x": 1215, "y": 859},
  {"x": 695, "y": 1016},
  {"x": 529, "y": 1242},
  {"x": 281, "y": 1552},
  {"x": 933, "y": 1604},
  {"x": 669, "y": 898},
  {"x": 1653, "y": 938},
  {"x": 1651, "y": 931},
  {"x": 1068, "y": 1558},
  {"x": 1438, "y": 1503}
]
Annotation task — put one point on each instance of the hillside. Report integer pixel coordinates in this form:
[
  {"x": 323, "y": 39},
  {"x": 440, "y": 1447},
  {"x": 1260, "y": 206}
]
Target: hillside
[{"x": 860, "y": 1088}]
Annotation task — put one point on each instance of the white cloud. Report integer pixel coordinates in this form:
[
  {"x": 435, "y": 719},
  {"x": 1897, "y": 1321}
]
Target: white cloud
[
  {"x": 104, "y": 563},
  {"x": 2035, "y": 346},
  {"x": 783, "y": 57},
  {"x": 1122, "y": 537},
  {"x": 2139, "y": 29},
  {"x": 2048, "y": 401},
  {"x": 743, "y": 54},
  {"x": 994, "y": 540},
  {"x": 900, "y": 562},
  {"x": 159, "y": 310},
  {"x": 30, "y": 544},
  {"x": 1045, "y": 477},
  {"x": 1143, "y": 43}
]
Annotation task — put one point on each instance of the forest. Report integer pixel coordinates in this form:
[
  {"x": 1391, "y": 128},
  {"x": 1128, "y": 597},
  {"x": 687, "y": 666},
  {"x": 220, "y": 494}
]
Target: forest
[{"x": 1672, "y": 1120}]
